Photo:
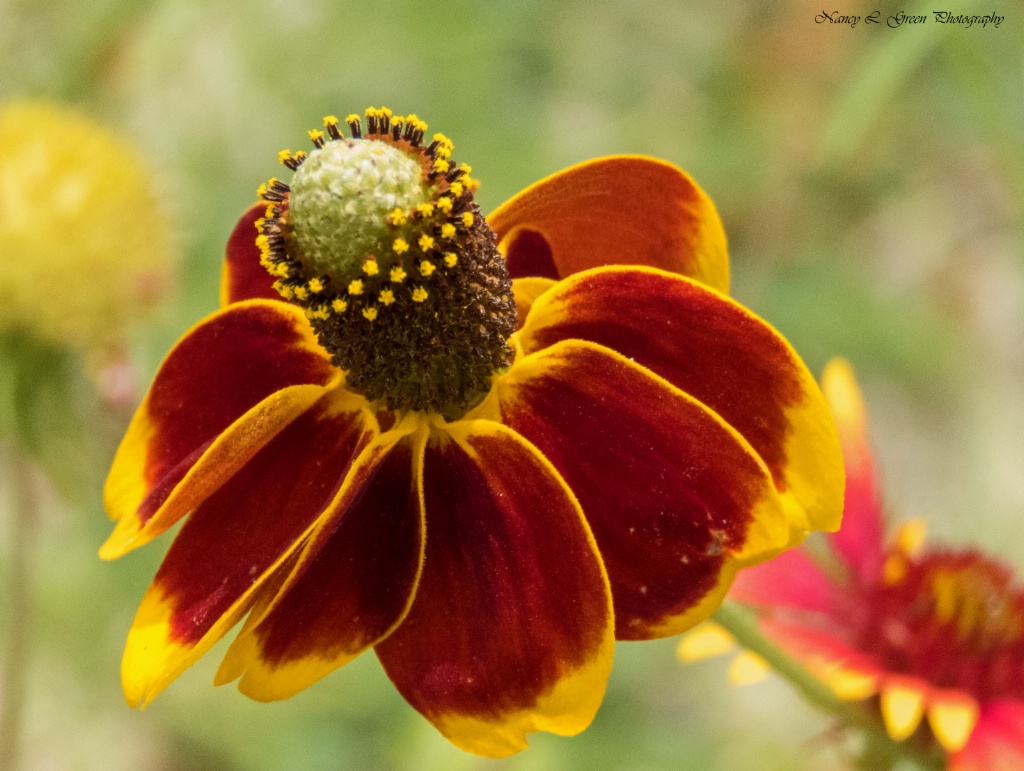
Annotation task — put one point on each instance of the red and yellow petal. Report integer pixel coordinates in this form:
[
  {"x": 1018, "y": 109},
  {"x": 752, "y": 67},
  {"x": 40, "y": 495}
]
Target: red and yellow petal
[
  {"x": 526, "y": 291},
  {"x": 722, "y": 355},
  {"x": 852, "y": 674},
  {"x": 859, "y": 541},
  {"x": 511, "y": 630},
  {"x": 620, "y": 210},
  {"x": 236, "y": 540},
  {"x": 233, "y": 382},
  {"x": 676, "y": 499},
  {"x": 353, "y": 585},
  {"x": 902, "y": 701},
  {"x": 997, "y": 741},
  {"x": 952, "y": 716},
  {"x": 242, "y": 277}
]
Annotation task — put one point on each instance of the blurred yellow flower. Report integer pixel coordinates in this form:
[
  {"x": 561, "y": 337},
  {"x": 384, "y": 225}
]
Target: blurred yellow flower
[{"x": 84, "y": 247}]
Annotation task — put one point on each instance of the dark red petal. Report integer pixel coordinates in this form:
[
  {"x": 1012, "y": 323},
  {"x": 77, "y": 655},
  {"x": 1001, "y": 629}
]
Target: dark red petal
[
  {"x": 242, "y": 277},
  {"x": 673, "y": 495},
  {"x": 353, "y": 586},
  {"x": 229, "y": 385},
  {"x": 237, "y": 538},
  {"x": 621, "y": 210},
  {"x": 721, "y": 354},
  {"x": 511, "y": 628}
]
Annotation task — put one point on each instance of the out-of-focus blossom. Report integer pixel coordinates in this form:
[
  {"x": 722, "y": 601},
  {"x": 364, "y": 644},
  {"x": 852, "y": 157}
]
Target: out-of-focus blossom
[
  {"x": 85, "y": 250},
  {"x": 932, "y": 634}
]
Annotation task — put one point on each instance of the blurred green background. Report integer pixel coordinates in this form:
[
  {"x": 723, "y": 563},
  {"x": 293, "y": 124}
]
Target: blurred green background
[{"x": 871, "y": 183}]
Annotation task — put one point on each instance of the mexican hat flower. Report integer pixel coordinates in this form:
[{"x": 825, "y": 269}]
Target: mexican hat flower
[
  {"x": 484, "y": 448},
  {"x": 933, "y": 635}
]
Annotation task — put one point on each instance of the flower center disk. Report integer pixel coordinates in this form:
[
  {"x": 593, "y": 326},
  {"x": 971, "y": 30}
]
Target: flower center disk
[{"x": 378, "y": 238}]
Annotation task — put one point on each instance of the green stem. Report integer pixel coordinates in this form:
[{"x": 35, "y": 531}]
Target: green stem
[
  {"x": 22, "y": 538},
  {"x": 742, "y": 625}
]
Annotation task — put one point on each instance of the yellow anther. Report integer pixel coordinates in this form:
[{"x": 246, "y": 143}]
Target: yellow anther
[
  {"x": 400, "y": 246},
  {"x": 331, "y": 120},
  {"x": 270, "y": 210},
  {"x": 444, "y": 145},
  {"x": 472, "y": 184},
  {"x": 320, "y": 312},
  {"x": 451, "y": 259},
  {"x": 300, "y": 156},
  {"x": 441, "y": 166},
  {"x": 384, "y": 111},
  {"x": 467, "y": 219},
  {"x": 456, "y": 188},
  {"x": 419, "y": 294},
  {"x": 465, "y": 168},
  {"x": 355, "y": 287},
  {"x": 426, "y": 209},
  {"x": 444, "y": 203},
  {"x": 262, "y": 191},
  {"x": 370, "y": 267},
  {"x": 370, "y": 313},
  {"x": 397, "y": 120},
  {"x": 260, "y": 223},
  {"x": 397, "y": 218},
  {"x": 398, "y": 274},
  {"x": 426, "y": 268},
  {"x": 316, "y": 285},
  {"x": 426, "y": 242},
  {"x": 372, "y": 112},
  {"x": 315, "y": 135},
  {"x": 284, "y": 155},
  {"x": 339, "y": 305},
  {"x": 386, "y": 297},
  {"x": 353, "y": 118},
  {"x": 301, "y": 293},
  {"x": 447, "y": 230},
  {"x": 263, "y": 244},
  {"x": 284, "y": 290}
]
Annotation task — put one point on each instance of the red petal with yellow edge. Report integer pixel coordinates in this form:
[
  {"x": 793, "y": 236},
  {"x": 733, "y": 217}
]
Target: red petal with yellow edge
[
  {"x": 859, "y": 540},
  {"x": 621, "y": 210},
  {"x": 997, "y": 742},
  {"x": 236, "y": 539},
  {"x": 229, "y": 385},
  {"x": 511, "y": 628},
  {"x": 721, "y": 354},
  {"x": 672, "y": 493},
  {"x": 790, "y": 580},
  {"x": 354, "y": 584},
  {"x": 242, "y": 277},
  {"x": 526, "y": 291}
]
